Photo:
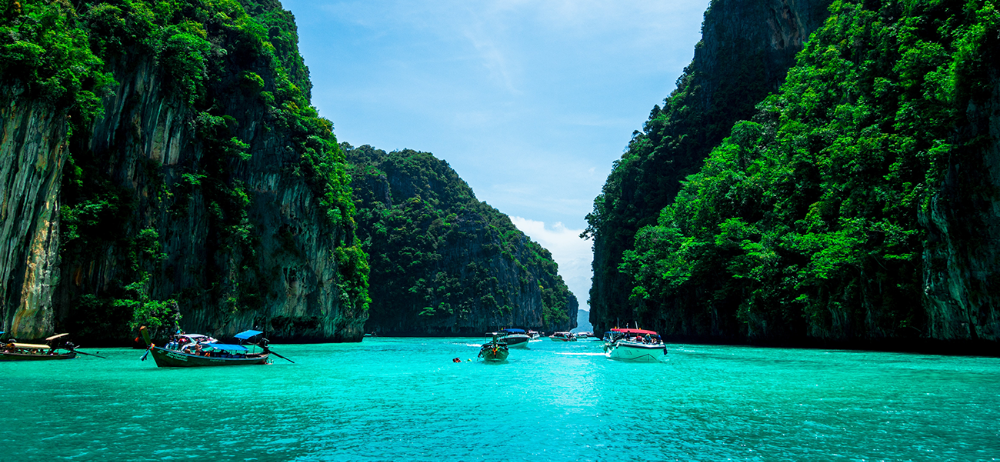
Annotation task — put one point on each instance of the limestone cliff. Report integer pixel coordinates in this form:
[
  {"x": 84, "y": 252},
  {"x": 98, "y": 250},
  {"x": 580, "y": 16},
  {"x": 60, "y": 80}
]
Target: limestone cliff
[
  {"x": 204, "y": 178},
  {"x": 962, "y": 254},
  {"x": 32, "y": 155},
  {"x": 444, "y": 263},
  {"x": 745, "y": 51},
  {"x": 858, "y": 207}
]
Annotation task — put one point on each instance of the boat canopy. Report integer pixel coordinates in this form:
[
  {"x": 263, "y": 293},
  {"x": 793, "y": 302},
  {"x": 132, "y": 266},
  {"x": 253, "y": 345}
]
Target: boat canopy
[
  {"x": 55, "y": 337},
  {"x": 634, "y": 331},
  {"x": 228, "y": 347},
  {"x": 31, "y": 346},
  {"x": 513, "y": 331},
  {"x": 247, "y": 334}
]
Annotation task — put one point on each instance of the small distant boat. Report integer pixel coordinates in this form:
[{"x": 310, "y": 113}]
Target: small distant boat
[
  {"x": 534, "y": 335},
  {"x": 563, "y": 337},
  {"x": 515, "y": 337},
  {"x": 638, "y": 345},
  {"x": 196, "y": 350},
  {"x": 56, "y": 347},
  {"x": 494, "y": 351},
  {"x": 583, "y": 335}
]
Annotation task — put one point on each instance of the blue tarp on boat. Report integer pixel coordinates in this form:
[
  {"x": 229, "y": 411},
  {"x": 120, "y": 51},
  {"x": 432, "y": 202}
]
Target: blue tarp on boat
[
  {"x": 247, "y": 334},
  {"x": 514, "y": 331},
  {"x": 227, "y": 347}
]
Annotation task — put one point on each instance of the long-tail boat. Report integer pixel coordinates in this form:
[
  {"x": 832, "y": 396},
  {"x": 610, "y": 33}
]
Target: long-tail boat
[
  {"x": 56, "y": 347},
  {"x": 198, "y": 354},
  {"x": 494, "y": 351}
]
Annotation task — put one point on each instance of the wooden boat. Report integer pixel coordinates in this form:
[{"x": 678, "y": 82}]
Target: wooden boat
[
  {"x": 636, "y": 345},
  {"x": 196, "y": 354},
  {"x": 494, "y": 351},
  {"x": 55, "y": 347},
  {"x": 14, "y": 351}
]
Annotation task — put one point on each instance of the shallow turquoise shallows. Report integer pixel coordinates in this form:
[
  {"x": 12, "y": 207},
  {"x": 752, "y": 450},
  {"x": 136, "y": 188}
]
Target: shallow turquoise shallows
[{"x": 404, "y": 399}]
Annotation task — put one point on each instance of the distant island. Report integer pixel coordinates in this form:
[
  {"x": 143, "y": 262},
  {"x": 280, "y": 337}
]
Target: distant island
[{"x": 444, "y": 263}]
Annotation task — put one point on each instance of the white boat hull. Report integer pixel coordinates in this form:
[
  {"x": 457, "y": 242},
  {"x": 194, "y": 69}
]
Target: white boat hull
[
  {"x": 517, "y": 340},
  {"x": 636, "y": 352}
]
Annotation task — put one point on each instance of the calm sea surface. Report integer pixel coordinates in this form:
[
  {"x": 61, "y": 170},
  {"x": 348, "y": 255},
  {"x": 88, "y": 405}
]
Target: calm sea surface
[{"x": 404, "y": 399}]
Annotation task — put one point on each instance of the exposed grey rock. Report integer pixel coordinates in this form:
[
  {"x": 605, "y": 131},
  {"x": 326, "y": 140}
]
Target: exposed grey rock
[{"x": 33, "y": 152}]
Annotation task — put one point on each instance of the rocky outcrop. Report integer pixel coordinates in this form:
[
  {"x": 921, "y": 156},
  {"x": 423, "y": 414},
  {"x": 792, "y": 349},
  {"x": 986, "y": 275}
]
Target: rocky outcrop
[{"x": 444, "y": 263}]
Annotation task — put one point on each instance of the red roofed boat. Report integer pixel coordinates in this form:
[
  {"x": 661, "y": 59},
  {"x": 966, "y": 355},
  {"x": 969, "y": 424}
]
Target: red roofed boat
[{"x": 638, "y": 345}]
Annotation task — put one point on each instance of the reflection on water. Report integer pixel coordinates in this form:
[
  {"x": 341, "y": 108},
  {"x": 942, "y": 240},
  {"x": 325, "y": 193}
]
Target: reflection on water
[{"x": 406, "y": 399}]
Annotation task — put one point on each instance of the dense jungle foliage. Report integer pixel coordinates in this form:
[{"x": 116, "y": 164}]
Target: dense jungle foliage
[
  {"x": 735, "y": 66},
  {"x": 210, "y": 53},
  {"x": 439, "y": 254},
  {"x": 805, "y": 221}
]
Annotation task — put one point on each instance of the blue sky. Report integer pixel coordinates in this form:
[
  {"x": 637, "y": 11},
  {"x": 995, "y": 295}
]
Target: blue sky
[{"x": 529, "y": 101}]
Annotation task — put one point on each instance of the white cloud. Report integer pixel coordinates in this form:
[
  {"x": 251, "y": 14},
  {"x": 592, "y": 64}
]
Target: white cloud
[{"x": 572, "y": 253}]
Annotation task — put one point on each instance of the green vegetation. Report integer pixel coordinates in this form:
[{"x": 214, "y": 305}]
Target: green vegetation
[
  {"x": 441, "y": 258},
  {"x": 805, "y": 222},
  {"x": 44, "y": 55},
  {"x": 223, "y": 69},
  {"x": 735, "y": 66}
]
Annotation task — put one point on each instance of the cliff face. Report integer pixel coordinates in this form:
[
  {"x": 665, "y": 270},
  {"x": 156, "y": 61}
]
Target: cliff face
[
  {"x": 858, "y": 207},
  {"x": 280, "y": 273},
  {"x": 444, "y": 263},
  {"x": 746, "y": 49},
  {"x": 962, "y": 254},
  {"x": 206, "y": 180},
  {"x": 745, "y": 52},
  {"x": 32, "y": 154}
]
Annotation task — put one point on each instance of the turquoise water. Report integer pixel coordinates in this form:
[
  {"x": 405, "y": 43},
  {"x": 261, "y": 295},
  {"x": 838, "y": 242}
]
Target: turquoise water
[{"x": 404, "y": 399}]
